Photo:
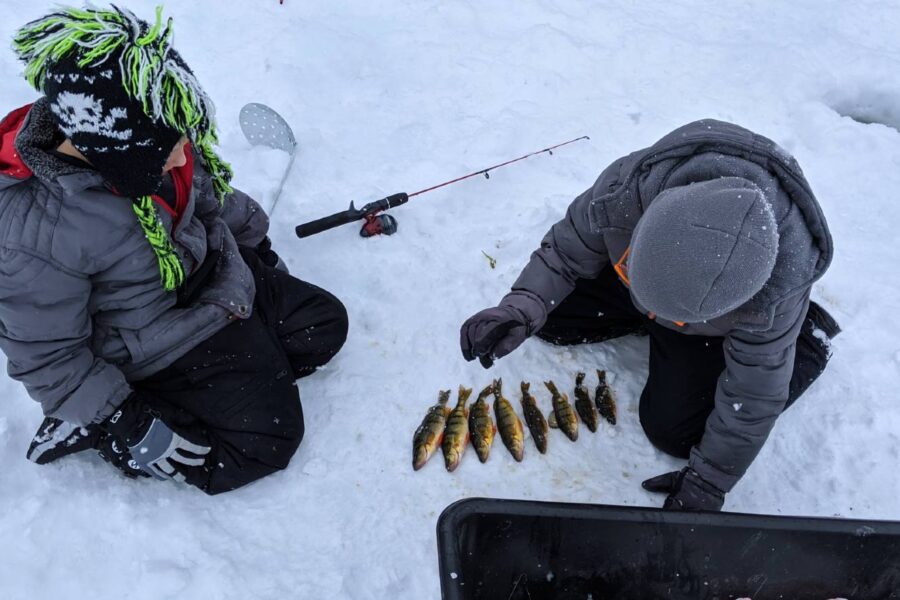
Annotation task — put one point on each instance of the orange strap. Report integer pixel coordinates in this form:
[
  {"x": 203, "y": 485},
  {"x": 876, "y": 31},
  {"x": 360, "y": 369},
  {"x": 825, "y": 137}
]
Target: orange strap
[{"x": 621, "y": 269}]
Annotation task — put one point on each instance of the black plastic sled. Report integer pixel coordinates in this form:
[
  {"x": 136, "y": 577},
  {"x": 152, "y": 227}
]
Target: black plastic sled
[{"x": 517, "y": 550}]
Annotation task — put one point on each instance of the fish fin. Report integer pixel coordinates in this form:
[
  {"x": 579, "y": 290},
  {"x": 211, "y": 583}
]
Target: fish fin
[{"x": 551, "y": 421}]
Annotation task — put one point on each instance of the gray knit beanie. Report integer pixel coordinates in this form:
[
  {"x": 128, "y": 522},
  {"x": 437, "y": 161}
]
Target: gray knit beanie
[{"x": 701, "y": 250}]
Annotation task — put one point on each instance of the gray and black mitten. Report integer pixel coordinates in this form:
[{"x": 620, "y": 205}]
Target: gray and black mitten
[{"x": 495, "y": 332}]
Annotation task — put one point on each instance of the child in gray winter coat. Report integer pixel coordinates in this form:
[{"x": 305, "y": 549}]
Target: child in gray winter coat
[
  {"x": 140, "y": 302},
  {"x": 709, "y": 241}
]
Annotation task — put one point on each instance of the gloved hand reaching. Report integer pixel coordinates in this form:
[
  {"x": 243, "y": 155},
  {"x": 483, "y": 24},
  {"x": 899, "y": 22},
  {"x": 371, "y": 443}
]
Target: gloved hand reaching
[
  {"x": 154, "y": 446},
  {"x": 495, "y": 332},
  {"x": 686, "y": 490}
]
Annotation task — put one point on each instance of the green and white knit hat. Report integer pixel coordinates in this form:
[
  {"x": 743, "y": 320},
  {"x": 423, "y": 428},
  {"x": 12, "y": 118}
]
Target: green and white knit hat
[{"x": 124, "y": 97}]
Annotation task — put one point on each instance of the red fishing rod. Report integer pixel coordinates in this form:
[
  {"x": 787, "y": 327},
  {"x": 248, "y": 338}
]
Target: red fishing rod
[{"x": 382, "y": 224}]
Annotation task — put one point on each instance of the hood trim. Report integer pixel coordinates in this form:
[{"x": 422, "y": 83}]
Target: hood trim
[{"x": 36, "y": 137}]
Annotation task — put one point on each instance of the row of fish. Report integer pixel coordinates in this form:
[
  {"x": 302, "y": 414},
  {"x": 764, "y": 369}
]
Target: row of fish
[{"x": 451, "y": 430}]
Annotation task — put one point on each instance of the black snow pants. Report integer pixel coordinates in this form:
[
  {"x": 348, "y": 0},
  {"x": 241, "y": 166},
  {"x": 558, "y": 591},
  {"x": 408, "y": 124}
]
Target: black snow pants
[
  {"x": 236, "y": 392},
  {"x": 680, "y": 391}
]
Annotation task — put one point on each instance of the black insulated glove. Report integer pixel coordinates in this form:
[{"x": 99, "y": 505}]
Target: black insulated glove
[
  {"x": 495, "y": 332},
  {"x": 114, "y": 451},
  {"x": 154, "y": 446},
  {"x": 686, "y": 491}
]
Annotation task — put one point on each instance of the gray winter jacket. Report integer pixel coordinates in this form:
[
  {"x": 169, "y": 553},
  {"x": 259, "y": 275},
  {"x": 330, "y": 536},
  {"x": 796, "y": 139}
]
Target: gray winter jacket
[
  {"x": 759, "y": 336},
  {"x": 82, "y": 308}
]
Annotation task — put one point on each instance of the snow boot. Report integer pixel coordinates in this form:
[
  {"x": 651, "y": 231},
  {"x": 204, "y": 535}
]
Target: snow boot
[{"x": 822, "y": 321}]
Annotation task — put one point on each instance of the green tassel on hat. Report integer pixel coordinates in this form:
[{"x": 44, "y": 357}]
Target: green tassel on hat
[{"x": 170, "y": 268}]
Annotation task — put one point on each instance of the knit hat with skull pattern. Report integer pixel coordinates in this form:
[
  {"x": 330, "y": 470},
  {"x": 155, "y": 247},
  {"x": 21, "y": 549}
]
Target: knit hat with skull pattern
[{"x": 124, "y": 97}]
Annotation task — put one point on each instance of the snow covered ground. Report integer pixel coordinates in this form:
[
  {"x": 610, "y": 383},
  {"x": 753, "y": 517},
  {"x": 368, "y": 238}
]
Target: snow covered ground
[{"x": 389, "y": 96}]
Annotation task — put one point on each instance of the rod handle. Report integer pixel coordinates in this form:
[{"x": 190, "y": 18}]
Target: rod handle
[{"x": 330, "y": 222}]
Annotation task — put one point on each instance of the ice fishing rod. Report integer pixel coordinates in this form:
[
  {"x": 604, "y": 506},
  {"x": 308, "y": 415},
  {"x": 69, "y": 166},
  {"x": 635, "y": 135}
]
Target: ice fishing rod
[{"x": 382, "y": 224}]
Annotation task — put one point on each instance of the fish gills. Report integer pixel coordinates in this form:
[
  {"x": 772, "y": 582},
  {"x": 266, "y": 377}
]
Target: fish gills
[
  {"x": 584, "y": 405},
  {"x": 481, "y": 425},
  {"x": 537, "y": 425},
  {"x": 430, "y": 433},
  {"x": 605, "y": 399},
  {"x": 566, "y": 419},
  {"x": 456, "y": 435},
  {"x": 511, "y": 430}
]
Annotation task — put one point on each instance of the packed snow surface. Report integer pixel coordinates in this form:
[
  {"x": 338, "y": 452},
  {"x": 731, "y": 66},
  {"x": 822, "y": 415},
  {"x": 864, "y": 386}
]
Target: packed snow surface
[{"x": 390, "y": 96}]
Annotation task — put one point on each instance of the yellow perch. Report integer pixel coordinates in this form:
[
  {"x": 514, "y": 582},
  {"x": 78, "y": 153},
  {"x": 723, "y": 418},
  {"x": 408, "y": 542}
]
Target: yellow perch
[
  {"x": 563, "y": 415},
  {"x": 456, "y": 435},
  {"x": 430, "y": 433},
  {"x": 536, "y": 422},
  {"x": 605, "y": 399},
  {"x": 511, "y": 431},
  {"x": 584, "y": 405},
  {"x": 481, "y": 425}
]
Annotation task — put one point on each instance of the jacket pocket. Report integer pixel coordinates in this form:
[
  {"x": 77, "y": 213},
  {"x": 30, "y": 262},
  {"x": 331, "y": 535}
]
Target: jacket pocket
[
  {"x": 108, "y": 344},
  {"x": 133, "y": 344}
]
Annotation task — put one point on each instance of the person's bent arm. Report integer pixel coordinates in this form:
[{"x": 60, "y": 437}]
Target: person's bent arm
[
  {"x": 45, "y": 332},
  {"x": 751, "y": 394},
  {"x": 571, "y": 250}
]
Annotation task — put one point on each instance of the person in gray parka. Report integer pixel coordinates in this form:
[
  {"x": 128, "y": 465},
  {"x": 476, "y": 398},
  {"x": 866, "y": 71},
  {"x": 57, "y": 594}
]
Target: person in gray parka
[
  {"x": 140, "y": 301},
  {"x": 709, "y": 241}
]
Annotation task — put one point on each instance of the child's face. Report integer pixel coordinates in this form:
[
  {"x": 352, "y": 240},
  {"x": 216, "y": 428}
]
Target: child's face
[{"x": 177, "y": 157}]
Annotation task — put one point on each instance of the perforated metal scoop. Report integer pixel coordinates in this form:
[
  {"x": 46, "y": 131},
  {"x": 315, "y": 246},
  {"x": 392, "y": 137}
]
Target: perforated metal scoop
[{"x": 262, "y": 126}]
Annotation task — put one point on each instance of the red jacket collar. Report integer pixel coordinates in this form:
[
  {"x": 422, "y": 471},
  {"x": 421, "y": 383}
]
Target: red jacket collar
[
  {"x": 183, "y": 178},
  {"x": 10, "y": 162}
]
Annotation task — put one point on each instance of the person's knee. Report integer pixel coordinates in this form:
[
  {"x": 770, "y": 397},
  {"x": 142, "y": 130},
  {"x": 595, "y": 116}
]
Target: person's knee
[
  {"x": 242, "y": 457},
  {"x": 291, "y": 444},
  {"x": 341, "y": 325},
  {"x": 599, "y": 330},
  {"x": 333, "y": 330},
  {"x": 666, "y": 433},
  {"x": 321, "y": 340},
  {"x": 668, "y": 440},
  {"x": 288, "y": 429}
]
